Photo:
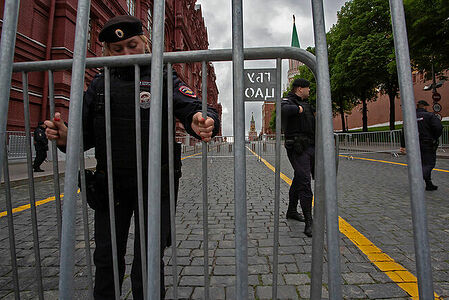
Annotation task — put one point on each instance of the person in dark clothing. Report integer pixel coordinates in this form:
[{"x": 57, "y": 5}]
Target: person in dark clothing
[
  {"x": 123, "y": 35},
  {"x": 40, "y": 145},
  {"x": 298, "y": 125},
  {"x": 430, "y": 130}
]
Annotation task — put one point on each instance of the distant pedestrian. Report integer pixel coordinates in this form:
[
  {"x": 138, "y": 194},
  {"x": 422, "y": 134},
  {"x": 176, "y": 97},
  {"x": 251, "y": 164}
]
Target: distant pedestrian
[
  {"x": 298, "y": 124},
  {"x": 40, "y": 145},
  {"x": 430, "y": 130}
]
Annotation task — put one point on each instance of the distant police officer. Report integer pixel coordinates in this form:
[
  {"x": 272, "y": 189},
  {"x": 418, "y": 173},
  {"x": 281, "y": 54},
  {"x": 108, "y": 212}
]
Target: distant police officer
[
  {"x": 123, "y": 35},
  {"x": 298, "y": 124},
  {"x": 429, "y": 129},
  {"x": 40, "y": 145}
]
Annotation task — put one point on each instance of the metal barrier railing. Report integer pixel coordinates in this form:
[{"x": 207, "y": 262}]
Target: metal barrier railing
[
  {"x": 224, "y": 146},
  {"x": 16, "y": 147},
  {"x": 444, "y": 140},
  {"x": 369, "y": 142},
  {"x": 325, "y": 187},
  {"x": 16, "y": 144}
]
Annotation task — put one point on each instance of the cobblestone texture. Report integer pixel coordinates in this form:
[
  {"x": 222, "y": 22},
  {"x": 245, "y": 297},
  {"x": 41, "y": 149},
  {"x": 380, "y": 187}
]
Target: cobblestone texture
[{"x": 373, "y": 198}]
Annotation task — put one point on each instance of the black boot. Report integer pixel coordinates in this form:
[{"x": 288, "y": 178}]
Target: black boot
[
  {"x": 430, "y": 186},
  {"x": 292, "y": 211},
  {"x": 309, "y": 221},
  {"x": 295, "y": 216}
]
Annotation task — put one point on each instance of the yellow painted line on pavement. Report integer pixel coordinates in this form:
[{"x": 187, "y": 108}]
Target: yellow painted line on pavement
[
  {"x": 282, "y": 175},
  {"x": 41, "y": 202},
  {"x": 191, "y": 155},
  {"x": 387, "y": 162},
  {"x": 401, "y": 276},
  {"x": 28, "y": 206}
]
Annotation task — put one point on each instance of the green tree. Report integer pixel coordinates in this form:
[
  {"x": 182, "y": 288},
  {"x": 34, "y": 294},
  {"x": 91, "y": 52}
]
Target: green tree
[
  {"x": 363, "y": 53},
  {"x": 343, "y": 101},
  {"x": 428, "y": 34}
]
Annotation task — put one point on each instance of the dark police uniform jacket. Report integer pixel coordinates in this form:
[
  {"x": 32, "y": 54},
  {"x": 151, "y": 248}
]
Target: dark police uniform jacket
[
  {"x": 429, "y": 129},
  {"x": 295, "y": 125},
  {"x": 40, "y": 139},
  {"x": 123, "y": 140},
  {"x": 123, "y": 135}
]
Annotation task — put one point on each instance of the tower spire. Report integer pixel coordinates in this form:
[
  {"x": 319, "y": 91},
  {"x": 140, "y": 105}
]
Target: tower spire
[{"x": 295, "y": 40}]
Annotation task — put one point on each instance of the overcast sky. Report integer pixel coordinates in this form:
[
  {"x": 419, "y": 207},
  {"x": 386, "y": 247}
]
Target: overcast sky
[{"x": 266, "y": 23}]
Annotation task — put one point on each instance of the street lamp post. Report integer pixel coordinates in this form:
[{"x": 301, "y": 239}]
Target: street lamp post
[{"x": 347, "y": 125}]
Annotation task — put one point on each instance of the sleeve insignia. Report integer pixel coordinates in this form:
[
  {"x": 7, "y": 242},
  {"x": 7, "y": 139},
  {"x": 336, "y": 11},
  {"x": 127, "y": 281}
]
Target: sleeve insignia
[
  {"x": 145, "y": 100},
  {"x": 187, "y": 91}
]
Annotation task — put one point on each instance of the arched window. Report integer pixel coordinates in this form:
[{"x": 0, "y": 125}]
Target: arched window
[
  {"x": 149, "y": 23},
  {"x": 131, "y": 4}
]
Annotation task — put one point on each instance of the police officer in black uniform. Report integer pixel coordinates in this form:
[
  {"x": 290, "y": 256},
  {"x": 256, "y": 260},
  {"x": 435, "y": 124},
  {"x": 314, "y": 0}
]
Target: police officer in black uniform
[
  {"x": 298, "y": 125},
  {"x": 123, "y": 35},
  {"x": 430, "y": 130},
  {"x": 40, "y": 145}
]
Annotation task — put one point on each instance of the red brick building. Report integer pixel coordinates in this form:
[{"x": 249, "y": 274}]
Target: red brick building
[
  {"x": 267, "y": 109},
  {"x": 46, "y": 31},
  {"x": 252, "y": 133},
  {"x": 379, "y": 110}
]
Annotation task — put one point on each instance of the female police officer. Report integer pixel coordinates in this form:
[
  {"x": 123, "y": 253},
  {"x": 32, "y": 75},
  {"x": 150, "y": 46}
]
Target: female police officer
[{"x": 123, "y": 35}]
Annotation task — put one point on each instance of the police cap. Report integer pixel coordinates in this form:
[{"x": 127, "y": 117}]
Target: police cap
[
  {"x": 120, "y": 28},
  {"x": 301, "y": 82},
  {"x": 423, "y": 103}
]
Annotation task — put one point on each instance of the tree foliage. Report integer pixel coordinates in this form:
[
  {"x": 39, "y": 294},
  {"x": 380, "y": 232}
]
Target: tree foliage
[
  {"x": 361, "y": 52},
  {"x": 428, "y": 34}
]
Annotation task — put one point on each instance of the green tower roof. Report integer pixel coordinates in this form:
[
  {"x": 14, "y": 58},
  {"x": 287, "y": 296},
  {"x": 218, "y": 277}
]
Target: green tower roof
[{"x": 295, "y": 40}]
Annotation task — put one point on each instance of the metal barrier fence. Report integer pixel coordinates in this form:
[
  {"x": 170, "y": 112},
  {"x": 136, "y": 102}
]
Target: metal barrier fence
[
  {"x": 444, "y": 140},
  {"x": 325, "y": 187},
  {"x": 224, "y": 146},
  {"x": 16, "y": 144},
  {"x": 369, "y": 142},
  {"x": 379, "y": 141},
  {"x": 16, "y": 147}
]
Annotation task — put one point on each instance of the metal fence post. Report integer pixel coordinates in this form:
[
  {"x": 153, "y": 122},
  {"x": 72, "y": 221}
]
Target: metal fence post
[
  {"x": 241, "y": 243},
  {"x": 318, "y": 220},
  {"x": 325, "y": 128},
  {"x": 86, "y": 220},
  {"x": 277, "y": 181},
  {"x": 172, "y": 179},
  {"x": 111, "y": 202},
  {"x": 37, "y": 256},
  {"x": 140, "y": 205},
  {"x": 12, "y": 237},
  {"x": 204, "y": 185},
  {"x": 419, "y": 214},
  {"x": 154, "y": 156},
  {"x": 54, "y": 150},
  {"x": 8, "y": 42},
  {"x": 67, "y": 260}
]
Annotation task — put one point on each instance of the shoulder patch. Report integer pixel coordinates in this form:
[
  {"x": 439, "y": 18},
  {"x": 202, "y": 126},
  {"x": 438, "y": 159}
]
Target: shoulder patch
[{"x": 185, "y": 90}]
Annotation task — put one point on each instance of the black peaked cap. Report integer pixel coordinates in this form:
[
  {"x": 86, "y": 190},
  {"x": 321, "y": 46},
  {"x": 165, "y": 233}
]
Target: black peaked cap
[{"x": 120, "y": 28}]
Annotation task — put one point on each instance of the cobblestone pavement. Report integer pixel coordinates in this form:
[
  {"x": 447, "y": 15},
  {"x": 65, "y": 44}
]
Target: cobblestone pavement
[{"x": 373, "y": 198}]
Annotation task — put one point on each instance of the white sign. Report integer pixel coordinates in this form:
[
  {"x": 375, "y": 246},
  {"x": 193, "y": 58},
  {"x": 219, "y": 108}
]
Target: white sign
[{"x": 260, "y": 84}]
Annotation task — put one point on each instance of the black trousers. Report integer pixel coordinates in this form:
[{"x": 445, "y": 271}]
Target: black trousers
[
  {"x": 41, "y": 155},
  {"x": 126, "y": 195},
  {"x": 428, "y": 161},
  {"x": 304, "y": 167}
]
